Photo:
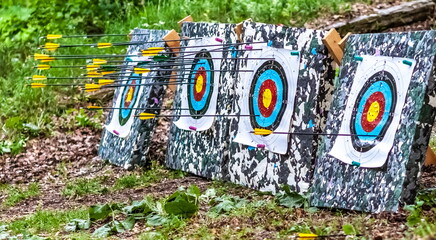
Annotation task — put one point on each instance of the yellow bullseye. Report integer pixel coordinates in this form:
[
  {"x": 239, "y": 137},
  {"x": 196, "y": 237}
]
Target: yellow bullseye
[
  {"x": 267, "y": 98},
  {"x": 199, "y": 84},
  {"x": 373, "y": 111},
  {"x": 129, "y": 95}
]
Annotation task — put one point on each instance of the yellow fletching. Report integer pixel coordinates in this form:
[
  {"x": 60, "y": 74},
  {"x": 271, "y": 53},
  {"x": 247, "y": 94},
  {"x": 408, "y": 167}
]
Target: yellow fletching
[
  {"x": 98, "y": 61},
  {"x": 94, "y": 75},
  {"x": 47, "y": 59},
  {"x": 152, "y": 51},
  {"x": 108, "y": 72},
  {"x": 260, "y": 131},
  {"x": 43, "y": 67},
  {"x": 145, "y": 116},
  {"x": 39, "y": 56},
  {"x": 92, "y": 67},
  {"x": 53, "y": 36},
  {"x": 94, "y": 107},
  {"x": 156, "y": 48},
  {"x": 51, "y": 46},
  {"x": 90, "y": 87},
  {"x": 105, "y": 81},
  {"x": 141, "y": 70},
  {"x": 37, "y": 85},
  {"x": 308, "y": 236},
  {"x": 38, "y": 78},
  {"x": 104, "y": 45}
]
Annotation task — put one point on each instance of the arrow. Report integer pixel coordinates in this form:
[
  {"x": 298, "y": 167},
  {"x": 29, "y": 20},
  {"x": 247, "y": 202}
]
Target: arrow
[
  {"x": 312, "y": 236},
  {"x": 145, "y": 116},
  {"x": 54, "y": 46},
  {"x": 41, "y": 78},
  {"x": 91, "y": 87},
  {"x": 59, "y": 36},
  {"x": 111, "y": 108},
  {"x": 261, "y": 131},
  {"x": 41, "y": 85}
]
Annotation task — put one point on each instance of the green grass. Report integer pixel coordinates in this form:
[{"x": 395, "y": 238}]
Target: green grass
[
  {"x": 45, "y": 221},
  {"x": 18, "y": 194},
  {"x": 84, "y": 186},
  {"x": 145, "y": 179}
]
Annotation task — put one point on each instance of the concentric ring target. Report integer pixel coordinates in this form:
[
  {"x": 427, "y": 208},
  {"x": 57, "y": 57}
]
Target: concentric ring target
[
  {"x": 373, "y": 111},
  {"x": 200, "y": 87},
  {"x": 129, "y": 96},
  {"x": 269, "y": 93}
]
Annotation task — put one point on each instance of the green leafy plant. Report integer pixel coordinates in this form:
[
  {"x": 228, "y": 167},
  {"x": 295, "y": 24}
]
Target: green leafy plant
[
  {"x": 183, "y": 203},
  {"x": 292, "y": 199},
  {"x": 349, "y": 229},
  {"x": 168, "y": 212}
]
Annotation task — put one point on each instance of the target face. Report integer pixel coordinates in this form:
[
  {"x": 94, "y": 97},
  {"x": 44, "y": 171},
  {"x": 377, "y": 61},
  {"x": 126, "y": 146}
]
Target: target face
[
  {"x": 127, "y": 98},
  {"x": 268, "y": 99},
  {"x": 199, "y": 96},
  {"x": 374, "y": 110},
  {"x": 372, "y": 114},
  {"x": 269, "y": 96},
  {"x": 200, "y": 87}
]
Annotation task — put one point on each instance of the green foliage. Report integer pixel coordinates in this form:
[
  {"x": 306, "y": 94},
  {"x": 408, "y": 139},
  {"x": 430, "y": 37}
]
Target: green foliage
[
  {"x": 98, "y": 212},
  {"x": 421, "y": 224},
  {"x": 349, "y": 229},
  {"x": 83, "y": 186},
  {"x": 225, "y": 204},
  {"x": 77, "y": 224},
  {"x": 292, "y": 199},
  {"x": 428, "y": 197},
  {"x": 183, "y": 203},
  {"x": 16, "y": 194},
  {"x": 167, "y": 213},
  {"x": 414, "y": 213}
]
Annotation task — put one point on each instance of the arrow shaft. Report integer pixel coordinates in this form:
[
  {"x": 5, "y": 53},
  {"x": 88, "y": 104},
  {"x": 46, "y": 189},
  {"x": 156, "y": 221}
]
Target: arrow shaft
[{"x": 323, "y": 134}]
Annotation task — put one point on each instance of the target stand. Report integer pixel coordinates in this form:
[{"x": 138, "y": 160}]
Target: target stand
[
  {"x": 126, "y": 138},
  {"x": 288, "y": 91},
  {"x": 198, "y": 142},
  {"x": 383, "y": 115}
]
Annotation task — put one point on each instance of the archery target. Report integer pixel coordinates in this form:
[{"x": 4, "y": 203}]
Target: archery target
[
  {"x": 373, "y": 111},
  {"x": 200, "y": 88},
  {"x": 268, "y": 99},
  {"x": 268, "y": 93},
  {"x": 199, "y": 95},
  {"x": 127, "y": 99}
]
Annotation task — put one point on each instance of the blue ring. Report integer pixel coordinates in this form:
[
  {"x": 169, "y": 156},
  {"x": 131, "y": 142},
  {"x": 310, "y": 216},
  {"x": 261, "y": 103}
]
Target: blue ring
[
  {"x": 269, "y": 74},
  {"x": 379, "y": 86},
  {"x": 199, "y": 105}
]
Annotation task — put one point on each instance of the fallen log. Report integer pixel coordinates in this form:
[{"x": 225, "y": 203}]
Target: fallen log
[{"x": 403, "y": 14}]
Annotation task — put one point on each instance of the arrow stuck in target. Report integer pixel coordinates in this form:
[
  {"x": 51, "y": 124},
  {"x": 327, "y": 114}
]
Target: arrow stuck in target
[{"x": 264, "y": 132}]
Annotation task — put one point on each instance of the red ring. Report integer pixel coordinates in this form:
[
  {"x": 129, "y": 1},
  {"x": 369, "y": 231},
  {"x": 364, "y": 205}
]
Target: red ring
[
  {"x": 127, "y": 103},
  {"x": 271, "y": 85},
  {"x": 375, "y": 97},
  {"x": 199, "y": 95}
]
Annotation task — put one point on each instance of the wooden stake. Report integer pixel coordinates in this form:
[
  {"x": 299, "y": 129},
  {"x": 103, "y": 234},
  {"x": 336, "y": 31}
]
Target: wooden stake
[
  {"x": 170, "y": 38},
  {"x": 185, "y": 19},
  {"x": 430, "y": 157},
  {"x": 238, "y": 30},
  {"x": 331, "y": 41}
]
